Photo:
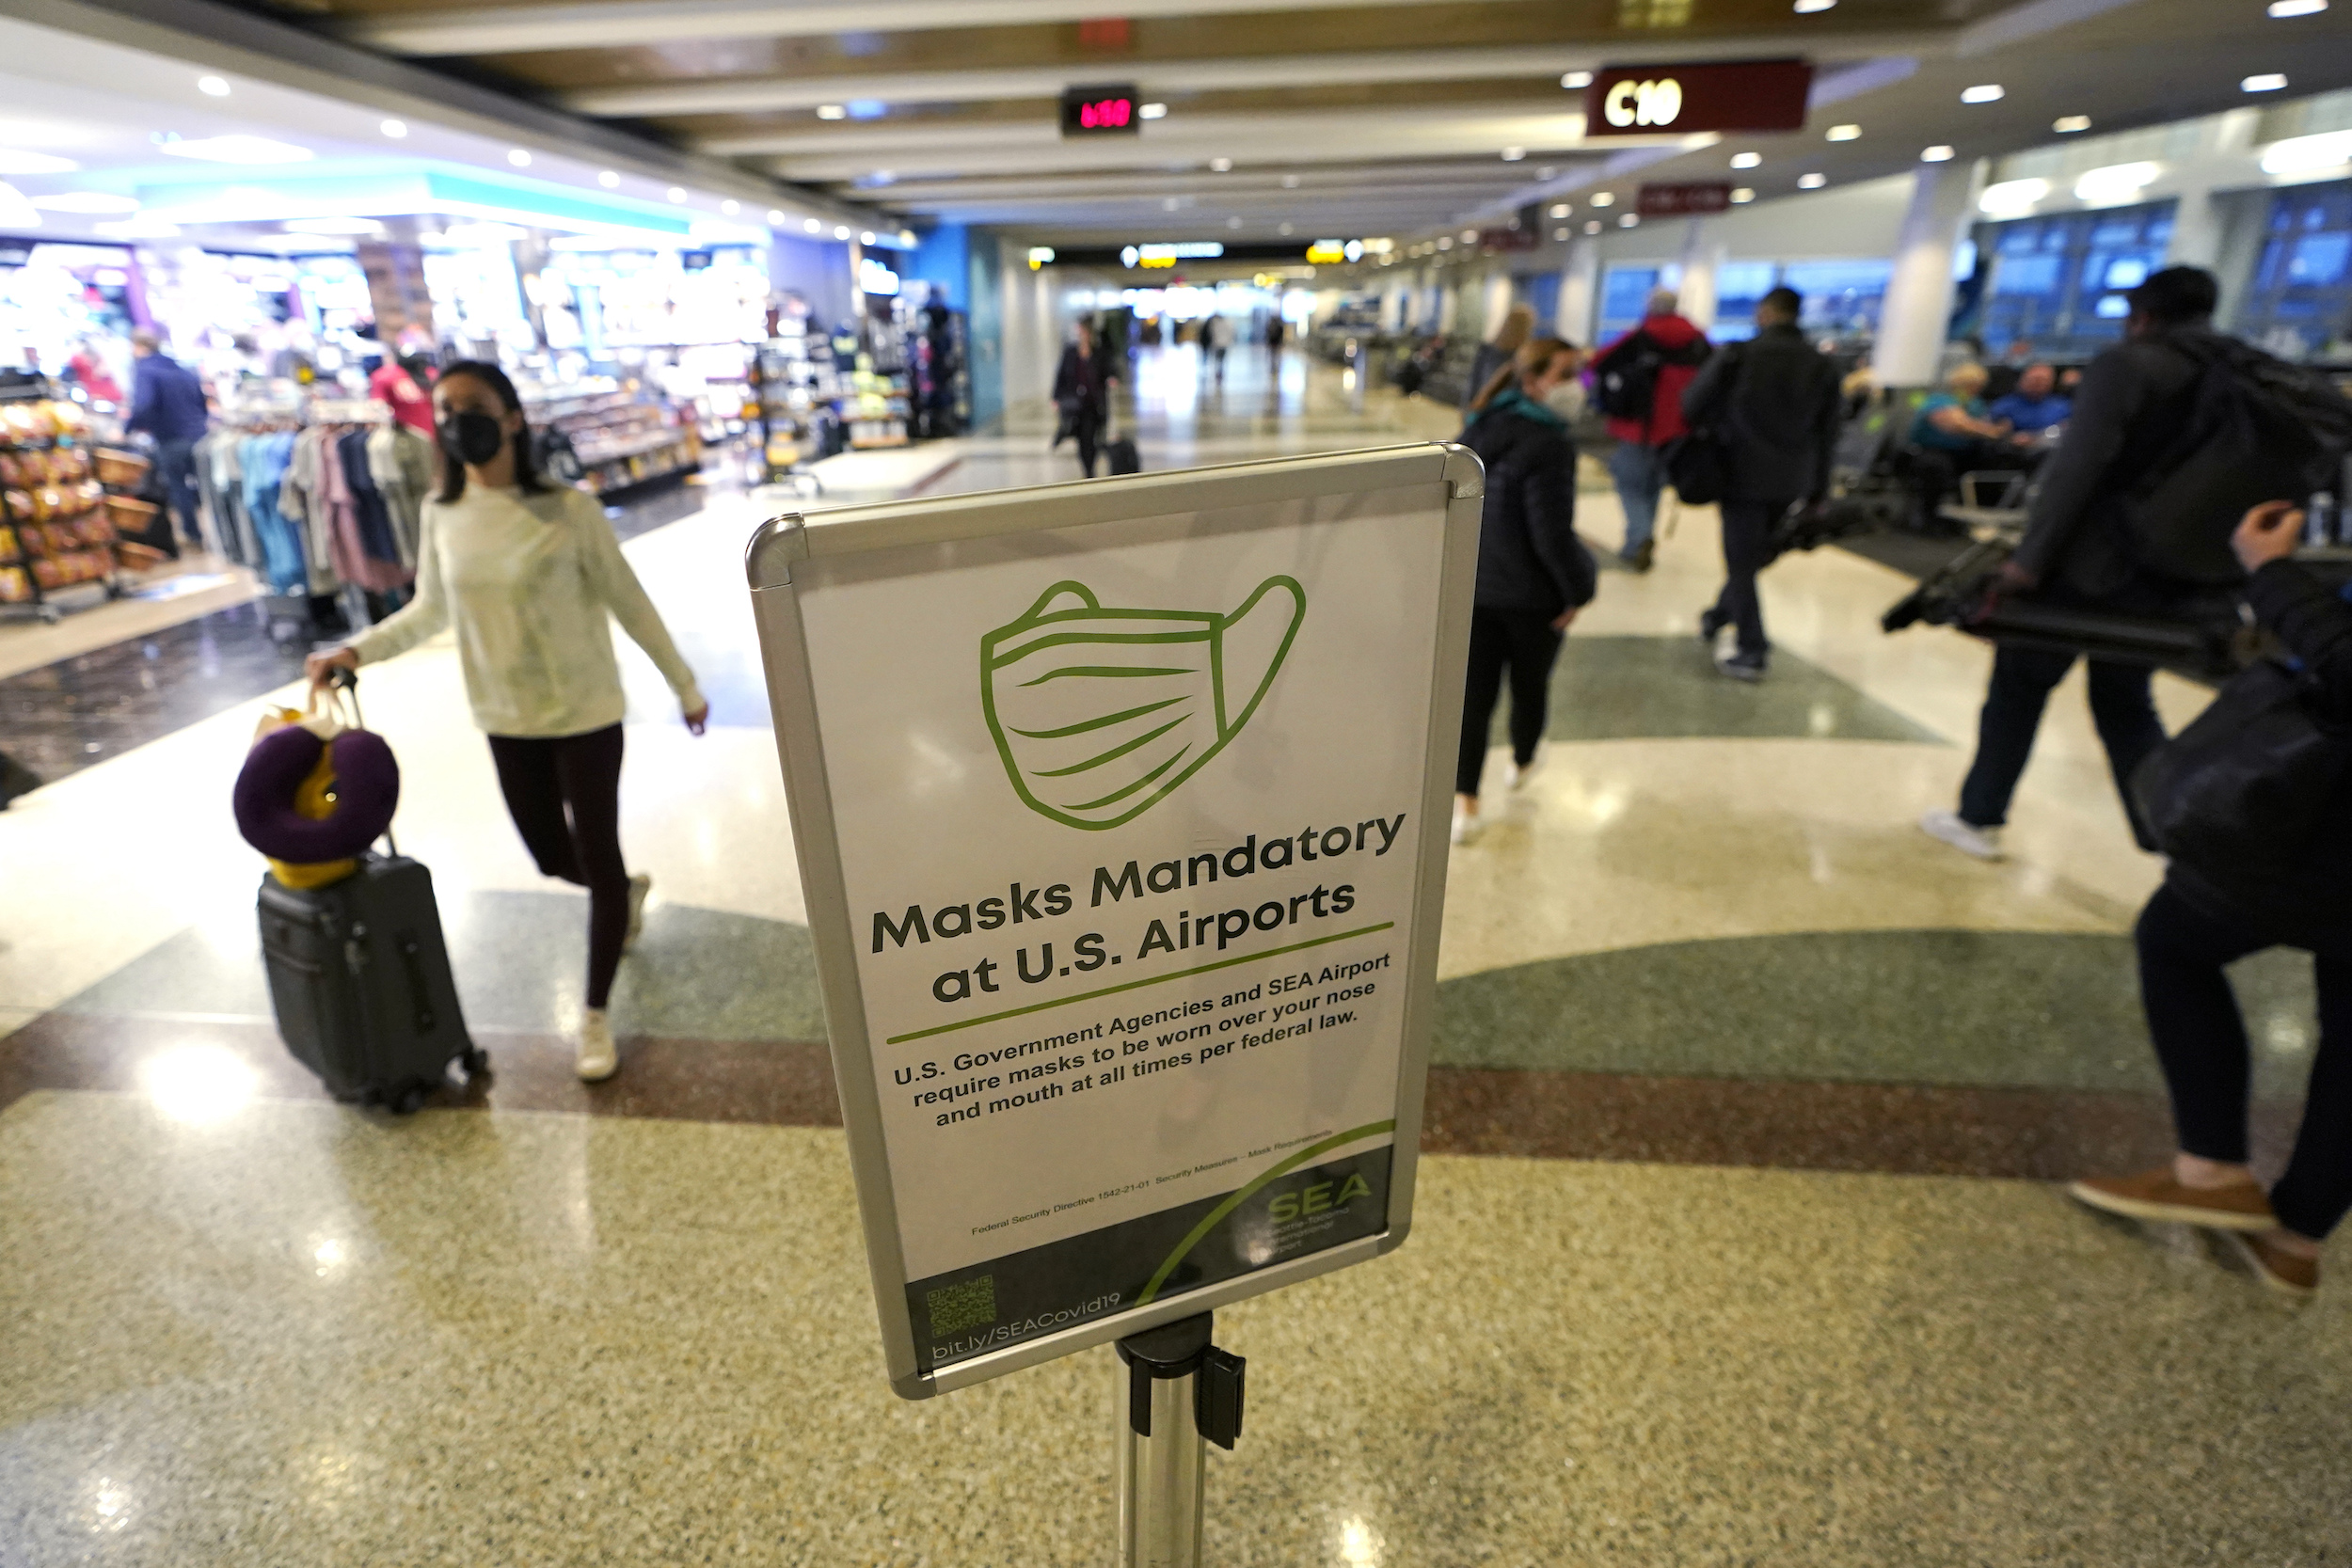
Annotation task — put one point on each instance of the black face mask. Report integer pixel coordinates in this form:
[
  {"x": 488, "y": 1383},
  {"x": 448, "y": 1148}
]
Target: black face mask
[{"x": 471, "y": 437}]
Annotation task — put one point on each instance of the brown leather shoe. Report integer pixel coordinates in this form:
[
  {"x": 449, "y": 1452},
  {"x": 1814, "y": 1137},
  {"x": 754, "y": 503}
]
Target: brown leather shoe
[
  {"x": 2292, "y": 1275},
  {"x": 2156, "y": 1195}
]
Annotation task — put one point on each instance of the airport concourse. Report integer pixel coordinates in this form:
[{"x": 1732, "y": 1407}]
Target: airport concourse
[{"x": 1691, "y": 655}]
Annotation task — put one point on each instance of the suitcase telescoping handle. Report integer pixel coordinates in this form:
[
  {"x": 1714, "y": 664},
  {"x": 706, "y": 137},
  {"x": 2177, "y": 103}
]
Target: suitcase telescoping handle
[{"x": 347, "y": 682}]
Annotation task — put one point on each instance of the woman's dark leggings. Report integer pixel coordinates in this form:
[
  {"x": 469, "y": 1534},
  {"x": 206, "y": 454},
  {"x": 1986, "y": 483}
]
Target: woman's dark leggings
[
  {"x": 1523, "y": 640},
  {"x": 565, "y": 796},
  {"x": 2200, "y": 1039}
]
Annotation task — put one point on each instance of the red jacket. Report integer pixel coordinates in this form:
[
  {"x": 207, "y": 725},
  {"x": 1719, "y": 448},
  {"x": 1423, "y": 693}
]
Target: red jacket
[{"x": 1665, "y": 417}]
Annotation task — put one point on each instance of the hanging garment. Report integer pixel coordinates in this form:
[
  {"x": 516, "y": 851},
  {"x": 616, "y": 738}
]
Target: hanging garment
[
  {"x": 262, "y": 460},
  {"x": 373, "y": 518},
  {"x": 401, "y": 462},
  {"x": 302, "y": 501},
  {"x": 352, "y": 562}
]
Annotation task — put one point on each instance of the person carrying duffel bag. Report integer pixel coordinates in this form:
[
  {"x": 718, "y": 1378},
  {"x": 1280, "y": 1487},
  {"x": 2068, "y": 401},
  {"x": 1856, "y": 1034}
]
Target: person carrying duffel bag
[{"x": 2252, "y": 804}]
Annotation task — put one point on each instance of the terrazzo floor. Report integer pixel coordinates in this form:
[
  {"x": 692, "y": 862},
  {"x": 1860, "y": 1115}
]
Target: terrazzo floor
[{"x": 1722, "y": 1254}]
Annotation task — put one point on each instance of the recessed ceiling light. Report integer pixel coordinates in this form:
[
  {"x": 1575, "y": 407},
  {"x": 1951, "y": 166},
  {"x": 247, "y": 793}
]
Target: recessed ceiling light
[
  {"x": 212, "y": 86},
  {"x": 1742, "y": 195},
  {"x": 1604, "y": 198},
  {"x": 394, "y": 128},
  {"x": 1576, "y": 79},
  {"x": 1806, "y": 8},
  {"x": 1290, "y": 182},
  {"x": 519, "y": 158},
  {"x": 235, "y": 150},
  {"x": 775, "y": 217},
  {"x": 1592, "y": 225},
  {"x": 1984, "y": 93},
  {"x": 1747, "y": 160},
  {"x": 2066, "y": 125},
  {"x": 1470, "y": 236},
  {"x": 1560, "y": 233},
  {"x": 1628, "y": 220},
  {"x": 14, "y": 161},
  {"x": 1446, "y": 244},
  {"x": 832, "y": 111},
  {"x": 1514, "y": 155},
  {"x": 1286, "y": 229},
  {"x": 1168, "y": 204},
  {"x": 1811, "y": 182},
  {"x": 1546, "y": 172},
  {"x": 2117, "y": 184},
  {"x": 1153, "y": 111},
  {"x": 1562, "y": 210},
  {"x": 1937, "y": 154},
  {"x": 677, "y": 193},
  {"x": 1232, "y": 223},
  {"x": 610, "y": 180},
  {"x": 840, "y": 230},
  {"x": 1221, "y": 166},
  {"x": 2284, "y": 9},
  {"x": 87, "y": 201},
  {"x": 730, "y": 206},
  {"x": 813, "y": 226},
  {"x": 1845, "y": 133},
  {"x": 2269, "y": 81}
]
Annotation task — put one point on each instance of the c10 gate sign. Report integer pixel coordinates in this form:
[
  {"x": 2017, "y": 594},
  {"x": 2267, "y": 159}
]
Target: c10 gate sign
[{"x": 1120, "y": 808}]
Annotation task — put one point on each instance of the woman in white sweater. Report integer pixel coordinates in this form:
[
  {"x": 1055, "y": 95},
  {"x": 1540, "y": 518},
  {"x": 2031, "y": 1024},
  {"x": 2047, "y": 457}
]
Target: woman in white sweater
[{"x": 531, "y": 576}]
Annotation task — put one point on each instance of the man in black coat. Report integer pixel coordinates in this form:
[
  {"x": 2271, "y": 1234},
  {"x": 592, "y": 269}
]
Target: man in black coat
[
  {"x": 2126, "y": 423},
  {"x": 1774, "y": 406}
]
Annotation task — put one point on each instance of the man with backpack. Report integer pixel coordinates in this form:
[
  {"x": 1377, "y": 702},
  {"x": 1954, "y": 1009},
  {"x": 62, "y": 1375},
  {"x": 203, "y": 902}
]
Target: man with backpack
[
  {"x": 2176, "y": 433},
  {"x": 1772, "y": 408},
  {"x": 1639, "y": 381}
]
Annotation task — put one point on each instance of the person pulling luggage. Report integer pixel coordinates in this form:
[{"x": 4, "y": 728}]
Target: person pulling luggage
[{"x": 528, "y": 572}]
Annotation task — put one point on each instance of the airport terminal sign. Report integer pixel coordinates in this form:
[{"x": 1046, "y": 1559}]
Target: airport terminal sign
[
  {"x": 1677, "y": 100},
  {"x": 1121, "y": 809}
]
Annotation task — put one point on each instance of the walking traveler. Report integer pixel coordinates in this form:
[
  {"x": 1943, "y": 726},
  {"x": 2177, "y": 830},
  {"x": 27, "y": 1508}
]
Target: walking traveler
[
  {"x": 1641, "y": 379},
  {"x": 1519, "y": 324},
  {"x": 1216, "y": 339},
  {"x": 2192, "y": 928},
  {"x": 528, "y": 572},
  {"x": 168, "y": 403},
  {"x": 2126, "y": 426},
  {"x": 1772, "y": 406},
  {"x": 1534, "y": 573},
  {"x": 1082, "y": 384}
]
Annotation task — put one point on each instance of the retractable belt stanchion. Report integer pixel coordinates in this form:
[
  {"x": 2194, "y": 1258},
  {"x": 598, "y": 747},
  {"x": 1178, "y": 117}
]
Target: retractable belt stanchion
[{"x": 1177, "y": 1394}]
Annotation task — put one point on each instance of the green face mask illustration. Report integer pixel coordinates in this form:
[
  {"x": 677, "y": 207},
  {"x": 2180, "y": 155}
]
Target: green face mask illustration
[{"x": 1100, "y": 714}]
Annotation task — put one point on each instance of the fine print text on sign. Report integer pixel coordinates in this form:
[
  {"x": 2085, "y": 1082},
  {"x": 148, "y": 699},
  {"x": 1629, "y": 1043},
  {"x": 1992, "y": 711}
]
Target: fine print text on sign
[
  {"x": 1675, "y": 100},
  {"x": 1684, "y": 200},
  {"x": 1131, "y": 824}
]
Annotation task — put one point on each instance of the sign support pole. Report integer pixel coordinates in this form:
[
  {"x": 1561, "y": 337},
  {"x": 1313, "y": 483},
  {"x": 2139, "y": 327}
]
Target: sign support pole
[{"x": 1177, "y": 1394}]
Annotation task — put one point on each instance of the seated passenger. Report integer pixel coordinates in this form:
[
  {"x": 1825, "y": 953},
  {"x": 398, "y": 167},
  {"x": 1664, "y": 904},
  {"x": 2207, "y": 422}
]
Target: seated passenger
[
  {"x": 1954, "y": 433},
  {"x": 2035, "y": 405}
]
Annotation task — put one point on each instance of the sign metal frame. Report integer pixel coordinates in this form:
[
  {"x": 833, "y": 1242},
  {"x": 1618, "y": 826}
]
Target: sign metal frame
[{"x": 782, "y": 542}]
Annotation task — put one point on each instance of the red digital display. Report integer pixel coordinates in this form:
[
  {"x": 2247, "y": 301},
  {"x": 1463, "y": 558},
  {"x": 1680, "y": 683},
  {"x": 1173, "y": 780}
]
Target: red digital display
[{"x": 1100, "y": 111}]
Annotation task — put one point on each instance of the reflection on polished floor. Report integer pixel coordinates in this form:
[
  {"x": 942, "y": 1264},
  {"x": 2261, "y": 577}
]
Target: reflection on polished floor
[{"x": 1736, "y": 1243}]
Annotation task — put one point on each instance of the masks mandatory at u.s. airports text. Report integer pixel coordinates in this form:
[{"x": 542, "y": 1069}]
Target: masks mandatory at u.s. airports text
[{"x": 1100, "y": 714}]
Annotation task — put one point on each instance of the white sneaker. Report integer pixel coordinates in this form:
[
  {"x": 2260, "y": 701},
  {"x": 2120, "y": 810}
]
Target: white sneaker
[
  {"x": 639, "y": 886},
  {"x": 599, "y": 1058},
  {"x": 1966, "y": 837},
  {"x": 1518, "y": 776},
  {"x": 1466, "y": 825}
]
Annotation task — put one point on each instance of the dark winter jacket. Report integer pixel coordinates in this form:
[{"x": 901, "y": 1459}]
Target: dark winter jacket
[
  {"x": 1528, "y": 556},
  {"x": 1079, "y": 390},
  {"x": 1774, "y": 407},
  {"x": 2133, "y": 408},
  {"x": 167, "y": 400}
]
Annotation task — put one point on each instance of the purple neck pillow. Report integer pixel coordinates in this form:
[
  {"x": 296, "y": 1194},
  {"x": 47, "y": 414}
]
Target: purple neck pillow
[{"x": 367, "y": 787}]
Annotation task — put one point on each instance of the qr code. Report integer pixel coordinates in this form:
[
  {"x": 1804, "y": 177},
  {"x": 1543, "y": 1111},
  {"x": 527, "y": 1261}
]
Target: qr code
[{"x": 954, "y": 1308}]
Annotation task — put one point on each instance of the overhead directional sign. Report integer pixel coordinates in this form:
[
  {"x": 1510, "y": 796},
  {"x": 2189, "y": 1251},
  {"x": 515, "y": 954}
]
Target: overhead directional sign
[
  {"x": 1121, "y": 813},
  {"x": 1676, "y": 100},
  {"x": 1692, "y": 199}
]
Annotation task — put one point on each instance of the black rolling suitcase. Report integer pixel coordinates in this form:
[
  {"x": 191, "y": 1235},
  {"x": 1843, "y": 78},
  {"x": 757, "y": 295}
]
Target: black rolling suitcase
[
  {"x": 1120, "y": 454},
  {"x": 360, "y": 982}
]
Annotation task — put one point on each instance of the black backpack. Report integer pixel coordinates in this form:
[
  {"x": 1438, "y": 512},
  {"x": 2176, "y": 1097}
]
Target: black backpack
[
  {"x": 1627, "y": 378},
  {"x": 2256, "y": 429}
]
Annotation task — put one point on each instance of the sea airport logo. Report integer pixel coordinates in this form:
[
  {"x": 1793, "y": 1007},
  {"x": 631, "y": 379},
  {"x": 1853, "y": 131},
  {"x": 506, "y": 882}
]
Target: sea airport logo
[{"x": 1101, "y": 713}]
